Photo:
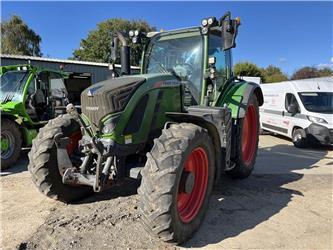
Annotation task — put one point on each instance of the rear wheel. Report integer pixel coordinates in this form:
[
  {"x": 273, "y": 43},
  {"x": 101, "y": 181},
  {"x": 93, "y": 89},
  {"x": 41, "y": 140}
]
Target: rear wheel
[
  {"x": 176, "y": 182},
  {"x": 11, "y": 143},
  {"x": 43, "y": 164},
  {"x": 299, "y": 138},
  {"x": 247, "y": 141}
]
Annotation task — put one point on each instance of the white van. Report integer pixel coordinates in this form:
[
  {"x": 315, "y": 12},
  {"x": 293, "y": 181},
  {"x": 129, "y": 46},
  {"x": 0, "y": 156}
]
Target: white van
[{"x": 300, "y": 109}]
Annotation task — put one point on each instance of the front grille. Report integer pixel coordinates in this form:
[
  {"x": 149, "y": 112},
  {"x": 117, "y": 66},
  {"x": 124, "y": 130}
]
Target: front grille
[{"x": 108, "y": 97}]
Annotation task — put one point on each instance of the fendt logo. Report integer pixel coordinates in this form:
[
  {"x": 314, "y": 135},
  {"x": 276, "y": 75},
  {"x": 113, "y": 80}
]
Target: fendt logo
[
  {"x": 92, "y": 91},
  {"x": 92, "y": 108}
]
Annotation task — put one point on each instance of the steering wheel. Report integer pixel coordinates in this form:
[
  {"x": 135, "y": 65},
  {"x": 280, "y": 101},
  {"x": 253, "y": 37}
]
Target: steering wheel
[{"x": 189, "y": 69}]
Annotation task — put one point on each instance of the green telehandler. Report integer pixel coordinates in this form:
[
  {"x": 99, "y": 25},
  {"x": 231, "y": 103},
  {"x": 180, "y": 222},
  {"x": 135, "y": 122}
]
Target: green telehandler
[
  {"x": 177, "y": 126},
  {"x": 30, "y": 96}
]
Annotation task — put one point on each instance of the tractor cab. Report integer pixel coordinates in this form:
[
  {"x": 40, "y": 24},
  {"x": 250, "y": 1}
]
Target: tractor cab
[
  {"x": 36, "y": 95},
  {"x": 195, "y": 58},
  {"x": 29, "y": 97}
]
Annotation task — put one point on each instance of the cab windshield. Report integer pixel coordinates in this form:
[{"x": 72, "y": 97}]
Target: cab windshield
[
  {"x": 182, "y": 56},
  {"x": 320, "y": 102},
  {"x": 12, "y": 85}
]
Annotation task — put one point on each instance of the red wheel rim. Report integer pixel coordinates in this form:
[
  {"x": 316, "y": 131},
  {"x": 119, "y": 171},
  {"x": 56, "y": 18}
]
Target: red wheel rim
[
  {"x": 193, "y": 185},
  {"x": 249, "y": 135},
  {"x": 73, "y": 142}
]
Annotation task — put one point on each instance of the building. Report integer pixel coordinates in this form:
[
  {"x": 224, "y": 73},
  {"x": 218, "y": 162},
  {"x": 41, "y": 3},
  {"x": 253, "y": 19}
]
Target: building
[{"x": 81, "y": 74}]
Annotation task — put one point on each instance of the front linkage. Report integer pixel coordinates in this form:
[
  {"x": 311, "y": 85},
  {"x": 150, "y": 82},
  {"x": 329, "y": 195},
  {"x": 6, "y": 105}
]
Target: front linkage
[{"x": 105, "y": 163}]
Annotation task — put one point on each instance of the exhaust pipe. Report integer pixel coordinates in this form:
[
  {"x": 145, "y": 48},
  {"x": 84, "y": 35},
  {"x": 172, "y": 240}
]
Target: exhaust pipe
[{"x": 124, "y": 55}]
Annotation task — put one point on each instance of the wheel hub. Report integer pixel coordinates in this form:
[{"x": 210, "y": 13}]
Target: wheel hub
[
  {"x": 7, "y": 144},
  {"x": 193, "y": 184},
  {"x": 4, "y": 144},
  {"x": 189, "y": 183}
]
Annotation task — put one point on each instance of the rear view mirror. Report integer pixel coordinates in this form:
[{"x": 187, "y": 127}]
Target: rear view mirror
[
  {"x": 229, "y": 31},
  {"x": 293, "y": 109}
]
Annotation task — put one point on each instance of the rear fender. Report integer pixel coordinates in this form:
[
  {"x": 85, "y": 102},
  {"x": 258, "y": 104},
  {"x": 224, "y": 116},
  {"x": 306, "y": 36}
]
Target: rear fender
[{"x": 238, "y": 96}]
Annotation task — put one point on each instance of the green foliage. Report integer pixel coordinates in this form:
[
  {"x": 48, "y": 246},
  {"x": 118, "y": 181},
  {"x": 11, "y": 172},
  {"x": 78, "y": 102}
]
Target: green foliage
[
  {"x": 247, "y": 69},
  {"x": 96, "y": 47},
  {"x": 18, "y": 39},
  {"x": 273, "y": 74}
]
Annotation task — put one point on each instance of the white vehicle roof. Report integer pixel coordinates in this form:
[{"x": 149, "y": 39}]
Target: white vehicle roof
[
  {"x": 321, "y": 84},
  {"x": 251, "y": 79}
]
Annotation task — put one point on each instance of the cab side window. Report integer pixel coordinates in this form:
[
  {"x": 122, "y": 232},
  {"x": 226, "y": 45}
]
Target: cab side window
[
  {"x": 291, "y": 101},
  {"x": 216, "y": 50}
]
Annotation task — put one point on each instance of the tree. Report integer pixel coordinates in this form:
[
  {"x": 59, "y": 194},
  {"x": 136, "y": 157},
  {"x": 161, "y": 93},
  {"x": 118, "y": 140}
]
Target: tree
[
  {"x": 273, "y": 74},
  {"x": 18, "y": 39},
  {"x": 326, "y": 72},
  {"x": 96, "y": 47},
  {"x": 305, "y": 72},
  {"x": 248, "y": 69}
]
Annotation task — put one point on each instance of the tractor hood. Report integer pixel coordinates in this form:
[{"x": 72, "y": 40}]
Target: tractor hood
[{"x": 108, "y": 97}]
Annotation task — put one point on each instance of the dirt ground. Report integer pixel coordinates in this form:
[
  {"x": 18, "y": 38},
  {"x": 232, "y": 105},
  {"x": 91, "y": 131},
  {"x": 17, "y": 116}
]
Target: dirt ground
[{"x": 286, "y": 203}]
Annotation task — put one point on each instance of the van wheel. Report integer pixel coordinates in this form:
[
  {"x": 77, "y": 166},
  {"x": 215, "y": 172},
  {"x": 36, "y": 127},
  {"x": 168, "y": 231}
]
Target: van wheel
[{"x": 299, "y": 138}]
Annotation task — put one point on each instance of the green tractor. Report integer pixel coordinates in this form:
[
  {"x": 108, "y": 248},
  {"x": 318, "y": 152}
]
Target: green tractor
[
  {"x": 30, "y": 96},
  {"x": 177, "y": 126}
]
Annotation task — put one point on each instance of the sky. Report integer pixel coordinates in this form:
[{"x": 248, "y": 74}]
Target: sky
[{"x": 286, "y": 34}]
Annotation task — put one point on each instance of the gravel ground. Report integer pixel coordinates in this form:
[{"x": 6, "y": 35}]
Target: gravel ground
[{"x": 286, "y": 203}]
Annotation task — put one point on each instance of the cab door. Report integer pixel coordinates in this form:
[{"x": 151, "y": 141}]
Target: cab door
[
  {"x": 57, "y": 95},
  {"x": 291, "y": 117}
]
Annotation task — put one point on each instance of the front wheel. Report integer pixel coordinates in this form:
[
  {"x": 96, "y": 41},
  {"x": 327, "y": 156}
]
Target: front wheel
[
  {"x": 43, "y": 164},
  {"x": 246, "y": 141},
  {"x": 299, "y": 138},
  {"x": 176, "y": 182},
  {"x": 11, "y": 142}
]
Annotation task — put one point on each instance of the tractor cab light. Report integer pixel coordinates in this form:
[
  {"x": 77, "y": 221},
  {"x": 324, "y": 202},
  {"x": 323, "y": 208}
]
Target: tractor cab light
[
  {"x": 204, "y": 22},
  {"x": 212, "y": 21},
  {"x": 238, "y": 20}
]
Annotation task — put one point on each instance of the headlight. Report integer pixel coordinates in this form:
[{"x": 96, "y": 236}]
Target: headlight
[
  {"x": 131, "y": 33},
  {"x": 136, "y": 32},
  {"x": 204, "y": 22},
  {"x": 316, "y": 119},
  {"x": 109, "y": 125}
]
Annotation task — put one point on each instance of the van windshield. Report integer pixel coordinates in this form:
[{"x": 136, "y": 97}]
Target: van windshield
[{"x": 320, "y": 102}]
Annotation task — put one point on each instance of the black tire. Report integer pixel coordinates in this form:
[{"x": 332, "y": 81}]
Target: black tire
[
  {"x": 161, "y": 179},
  {"x": 10, "y": 131},
  {"x": 299, "y": 138},
  {"x": 43, "y": 164},
  {"x": 244, "y": 167}
]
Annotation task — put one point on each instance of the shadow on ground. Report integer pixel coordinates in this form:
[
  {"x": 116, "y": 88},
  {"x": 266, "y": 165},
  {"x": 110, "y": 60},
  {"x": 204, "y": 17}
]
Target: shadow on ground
[
  {"x": 126, "y": 188},
  {"x": 20, "y": 166},
  {"x": 240, "y": 205}
]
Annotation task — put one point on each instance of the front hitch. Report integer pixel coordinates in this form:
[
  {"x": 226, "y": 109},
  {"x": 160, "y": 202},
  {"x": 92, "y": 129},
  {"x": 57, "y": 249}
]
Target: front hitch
[{"x": 71, "y": 175}]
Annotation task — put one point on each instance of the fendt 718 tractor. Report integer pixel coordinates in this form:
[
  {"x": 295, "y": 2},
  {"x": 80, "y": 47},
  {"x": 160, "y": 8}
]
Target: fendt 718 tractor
[
  {"x": 177, "y": 126},
  {"x": 29, "y": 96}
]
